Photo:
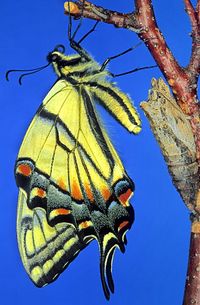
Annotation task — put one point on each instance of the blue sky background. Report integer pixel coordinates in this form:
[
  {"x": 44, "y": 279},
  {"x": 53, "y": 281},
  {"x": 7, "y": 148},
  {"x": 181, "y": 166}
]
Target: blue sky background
[{"x": 152, "y": 271}]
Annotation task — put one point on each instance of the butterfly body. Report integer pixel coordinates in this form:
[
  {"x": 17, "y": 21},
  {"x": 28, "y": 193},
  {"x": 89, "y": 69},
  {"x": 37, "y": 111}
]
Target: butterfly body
[{"x": 73, "y": 187}]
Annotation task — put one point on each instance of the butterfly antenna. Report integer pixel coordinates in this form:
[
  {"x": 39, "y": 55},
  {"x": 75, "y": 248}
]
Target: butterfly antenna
[
  {"x": 32, "y": 72},
  {"x": 29, "y": 71},
  {"x": 19, "y": 70}
]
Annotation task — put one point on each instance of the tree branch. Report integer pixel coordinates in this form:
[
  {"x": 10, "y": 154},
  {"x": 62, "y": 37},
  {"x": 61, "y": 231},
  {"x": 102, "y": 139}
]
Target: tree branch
[
  {"x": 192, "y": 288},
  {"x": 183, "y": 82},
  {"x": 191, "y": 11},
  {"x": 193, "y": 68},
  {"x": 198, "y": 10}
]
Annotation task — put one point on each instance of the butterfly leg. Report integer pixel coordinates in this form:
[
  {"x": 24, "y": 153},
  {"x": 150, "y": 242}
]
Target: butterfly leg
[
  {"x": 132, "y": 71},
  {"x": 77, "y": 47},
  {"x": 74, "y": 44},
  {"x": 106, "y": 62}
]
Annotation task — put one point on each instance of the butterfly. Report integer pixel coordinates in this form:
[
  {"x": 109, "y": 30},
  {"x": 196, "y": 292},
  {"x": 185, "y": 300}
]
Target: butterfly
[{"x": 73, "y": 187}]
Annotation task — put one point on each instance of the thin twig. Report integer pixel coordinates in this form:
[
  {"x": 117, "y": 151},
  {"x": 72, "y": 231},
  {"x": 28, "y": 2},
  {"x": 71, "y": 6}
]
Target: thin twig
[
  {"x": 91, "y": 11},
  {"x": 194, "y": 66},
  {"x": 198, "y": 10},
  {"x": 191, "y": 12}
]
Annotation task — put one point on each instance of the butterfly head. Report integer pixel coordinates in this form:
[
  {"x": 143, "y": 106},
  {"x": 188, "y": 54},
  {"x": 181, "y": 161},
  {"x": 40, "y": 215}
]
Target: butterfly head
[
  {"x": 56, "y": 55},
  {"x": 64, "y": 64}
]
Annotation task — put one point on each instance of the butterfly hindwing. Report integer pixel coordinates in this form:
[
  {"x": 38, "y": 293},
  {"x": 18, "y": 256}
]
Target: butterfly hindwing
[{"x": 45, "y": 250}]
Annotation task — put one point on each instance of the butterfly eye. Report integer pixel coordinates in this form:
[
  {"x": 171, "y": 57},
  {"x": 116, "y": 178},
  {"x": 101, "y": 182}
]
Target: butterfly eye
[
  {"x": 60, "y": 48},
  {"x": 54, "y": 57}
]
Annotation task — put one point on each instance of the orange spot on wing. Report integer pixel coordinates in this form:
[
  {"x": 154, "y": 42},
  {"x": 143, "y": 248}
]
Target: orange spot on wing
[
  {"x": 89, "y": 192},
  {"x": 75, "y": 191},
  {"x": 85, "y": 224},
  {"x": 41, "y": 193},
  {"x": 62, "y": 184},
  {"x": 63, "y": 211},
  {"x": 106, "y": 193},
  {"x": 24, "y": 169},
  {"x": 125, "y": 197},
  {"x": 122, "y": 225},
  {"x": 59, "y": 212}
]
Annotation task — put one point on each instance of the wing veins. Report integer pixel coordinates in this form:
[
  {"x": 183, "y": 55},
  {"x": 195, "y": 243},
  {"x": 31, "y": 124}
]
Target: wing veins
[
  {"x": 42, "y": 106},
  {"x": 53, "y": 125}
]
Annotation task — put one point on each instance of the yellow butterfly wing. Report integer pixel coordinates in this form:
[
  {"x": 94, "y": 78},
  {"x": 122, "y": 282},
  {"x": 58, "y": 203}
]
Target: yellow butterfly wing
[
  {"x": 73, "y": 187},
  {"x": 45, "y": 250}
]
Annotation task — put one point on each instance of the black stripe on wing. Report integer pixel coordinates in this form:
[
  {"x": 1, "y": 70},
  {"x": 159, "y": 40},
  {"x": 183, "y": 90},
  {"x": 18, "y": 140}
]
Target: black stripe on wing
[
  {"x": 95, "y": 126},
  {"x": 115, "y": 96}
]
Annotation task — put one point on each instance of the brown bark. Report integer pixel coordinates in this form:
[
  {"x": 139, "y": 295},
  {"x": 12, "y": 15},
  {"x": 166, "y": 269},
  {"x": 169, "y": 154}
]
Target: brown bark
[
  {"x": 183, "y": 83},
  {"x": 192, "y": 288}
]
